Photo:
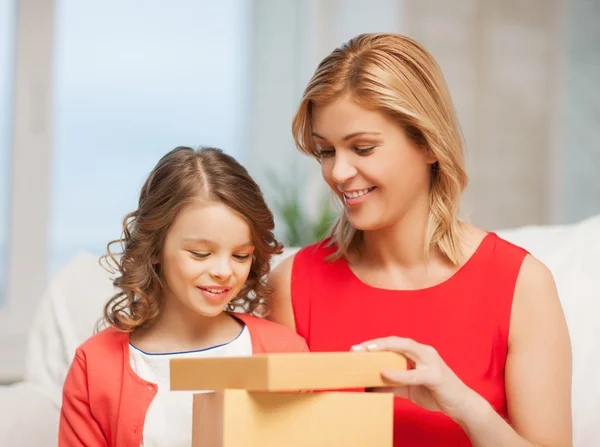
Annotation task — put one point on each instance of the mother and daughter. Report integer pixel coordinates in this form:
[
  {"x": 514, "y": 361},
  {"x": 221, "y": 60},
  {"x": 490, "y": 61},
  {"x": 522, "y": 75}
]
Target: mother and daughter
[{"x": 478, "y": 318}]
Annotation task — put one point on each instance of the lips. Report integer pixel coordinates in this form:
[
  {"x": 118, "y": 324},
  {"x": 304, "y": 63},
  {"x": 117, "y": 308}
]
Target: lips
[
  {"x": 357, "y": 196},
  {"x": 218, "y": 293}
]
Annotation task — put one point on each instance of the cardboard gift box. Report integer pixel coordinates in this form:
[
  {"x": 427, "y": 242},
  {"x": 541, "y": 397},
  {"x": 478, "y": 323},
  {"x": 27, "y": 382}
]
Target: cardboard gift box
[
  {"x": 285, "y": 372},
  {"x": 286, "y": 400},
  {"x": 240, "y": 418}
]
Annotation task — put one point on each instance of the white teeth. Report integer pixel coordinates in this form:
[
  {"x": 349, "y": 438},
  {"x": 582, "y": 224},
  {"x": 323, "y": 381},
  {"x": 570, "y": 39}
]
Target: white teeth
[
  {"x": 355, "y": 194},
  {"x": 214, "y": 291}
]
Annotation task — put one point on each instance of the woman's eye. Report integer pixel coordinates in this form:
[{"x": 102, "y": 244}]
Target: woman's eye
[
  {"x": 324, "y": 153},
  {"x": 199, "y": 255},
  {"x": 242, "y": 257},
  {"x": 364, "y": 150}
]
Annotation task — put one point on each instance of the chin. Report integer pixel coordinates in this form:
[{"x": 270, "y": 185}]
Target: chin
[
  {"x": 208, "y": 310},
  {"x": 365, "y": 222}
]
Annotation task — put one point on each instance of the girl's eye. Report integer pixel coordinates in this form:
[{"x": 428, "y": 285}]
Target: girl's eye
[
  {"x": 364, "y": 151},
  {"x": 199, "y": 255},
  {"x": 242, "y": 257},
  {"x": 325, "y": 153}
]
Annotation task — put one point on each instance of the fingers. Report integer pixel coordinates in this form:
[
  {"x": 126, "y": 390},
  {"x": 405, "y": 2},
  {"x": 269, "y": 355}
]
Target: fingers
[
  {"x": 410, "y": 377},
  {"x": 400, "y": 391},
  {"x": 410, "y": 348}
]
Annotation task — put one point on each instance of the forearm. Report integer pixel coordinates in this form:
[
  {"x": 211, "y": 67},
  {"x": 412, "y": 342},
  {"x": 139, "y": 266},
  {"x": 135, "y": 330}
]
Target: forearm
[{"x": 486, "y": 428}]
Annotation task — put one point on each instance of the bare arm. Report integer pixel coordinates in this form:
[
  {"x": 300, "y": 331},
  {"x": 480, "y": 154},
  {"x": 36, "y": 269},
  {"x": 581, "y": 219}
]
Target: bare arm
[
  {"x": 280, "y": 302},
  {"x": 538, "y": 371}
]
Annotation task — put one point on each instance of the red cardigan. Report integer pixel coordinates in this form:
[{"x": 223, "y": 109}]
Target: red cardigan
[{"x": 105, "y": 401}]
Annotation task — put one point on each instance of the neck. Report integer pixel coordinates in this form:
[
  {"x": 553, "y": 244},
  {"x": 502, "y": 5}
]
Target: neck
[
  {"x": 183, "y": 329},
  {"x": 401, "y": 244}
]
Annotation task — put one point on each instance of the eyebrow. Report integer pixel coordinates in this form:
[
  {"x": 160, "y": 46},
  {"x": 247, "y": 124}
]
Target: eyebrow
[
  {"x": 200, "y": 240},
  {"x": 349, "y": 136}
]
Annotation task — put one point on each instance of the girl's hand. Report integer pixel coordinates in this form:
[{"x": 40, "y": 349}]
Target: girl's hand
[{"x": 428, "y": 382}]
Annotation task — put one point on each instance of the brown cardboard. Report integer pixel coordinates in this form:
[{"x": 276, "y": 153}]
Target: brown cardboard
[
  {"x": 234, "y": 418},
  {"x": 285, "y": 372}
]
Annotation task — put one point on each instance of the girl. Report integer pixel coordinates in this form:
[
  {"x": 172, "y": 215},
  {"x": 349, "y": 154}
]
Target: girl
[
  {"x": 197, "y": 248},
  {"x": 479, "y": 318}
]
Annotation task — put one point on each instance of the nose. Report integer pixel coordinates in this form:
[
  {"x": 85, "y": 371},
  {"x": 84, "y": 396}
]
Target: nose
[
  {"x": 343, "y": 170},
  {"x": 221, "y": 269}
]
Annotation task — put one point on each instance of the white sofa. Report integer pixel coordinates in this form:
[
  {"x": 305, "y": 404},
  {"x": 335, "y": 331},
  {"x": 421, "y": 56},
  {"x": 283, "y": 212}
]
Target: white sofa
[{"x": 74, "y": 300}]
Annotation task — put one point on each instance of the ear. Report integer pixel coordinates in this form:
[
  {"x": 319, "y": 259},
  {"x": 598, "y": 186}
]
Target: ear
[{"x": 430, "y": 158}]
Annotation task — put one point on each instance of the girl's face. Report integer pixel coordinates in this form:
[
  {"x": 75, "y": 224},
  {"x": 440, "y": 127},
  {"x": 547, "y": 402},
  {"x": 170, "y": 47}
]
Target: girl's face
[
  {"x": 206, "y": 258},
  {"x": 368, "y": 161}
]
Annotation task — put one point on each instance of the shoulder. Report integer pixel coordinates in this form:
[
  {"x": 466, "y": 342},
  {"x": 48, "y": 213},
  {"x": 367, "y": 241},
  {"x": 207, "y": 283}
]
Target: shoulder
[
  {"x": 503, "y": 246},
  {"x": 534, "y": 274},
  {"x": 535, "y": 293},
  {"x": 282, "y": 272},
  {"x": 504, "y": 259},
  {"x": 269, "y": 336},
  {"x": 535, "y": 283},
  {"x": 533, "y": 277},
  {"x": 536, "y": 302},
  {"x": 104, "y": 344},
  {"x": 476, "y": 240},
  {"x": 296, "y": 270},
  {"x": 96, "y": 361},
  {"x": 318, "y": 250},
  {"x": 264, "y": 326},
  {"x": 303, "y": 257},
  {"x": 312, "y": 260},
  {"x": 279, "y": 303}
]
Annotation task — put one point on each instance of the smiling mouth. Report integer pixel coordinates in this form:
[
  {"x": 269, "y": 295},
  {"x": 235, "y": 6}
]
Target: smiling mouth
[
  {"x": 353, "y": 199},
  {"x": 358, "y": 193},
  {"x": 214, "y": 290},
  {"x": 215, "y": 293}
]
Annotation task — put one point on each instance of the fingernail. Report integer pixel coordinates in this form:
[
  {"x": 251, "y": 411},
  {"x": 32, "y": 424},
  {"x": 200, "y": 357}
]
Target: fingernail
[
  {"x": 358, "y": 348},
  {"x": 371, "y": 346}
]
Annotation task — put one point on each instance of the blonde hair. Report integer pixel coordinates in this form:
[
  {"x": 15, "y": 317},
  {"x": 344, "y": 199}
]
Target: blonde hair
[{"x": 396, "y": 75}]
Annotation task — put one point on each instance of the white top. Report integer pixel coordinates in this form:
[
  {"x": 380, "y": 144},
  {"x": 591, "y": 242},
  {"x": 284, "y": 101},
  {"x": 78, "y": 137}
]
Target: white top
[{"x": 169, "y": 417}]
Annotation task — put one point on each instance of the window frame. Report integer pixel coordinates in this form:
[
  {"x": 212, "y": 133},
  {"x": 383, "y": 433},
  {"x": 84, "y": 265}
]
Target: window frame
[{"x": 30, "y": 181}]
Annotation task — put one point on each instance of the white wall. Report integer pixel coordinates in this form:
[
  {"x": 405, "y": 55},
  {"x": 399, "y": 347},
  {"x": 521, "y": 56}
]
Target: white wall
[{"x": 503, "y": 62}]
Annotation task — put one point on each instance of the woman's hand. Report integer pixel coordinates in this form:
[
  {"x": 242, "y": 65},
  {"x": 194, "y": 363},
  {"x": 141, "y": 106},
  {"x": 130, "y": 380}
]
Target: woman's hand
[{"x": 429, "y": 382}]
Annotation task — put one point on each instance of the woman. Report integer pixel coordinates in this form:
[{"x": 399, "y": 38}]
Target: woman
[{"x": 478, "y": 318}]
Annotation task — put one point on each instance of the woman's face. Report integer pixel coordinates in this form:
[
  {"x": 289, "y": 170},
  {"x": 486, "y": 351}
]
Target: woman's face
[{"x": 368, "y": 161}]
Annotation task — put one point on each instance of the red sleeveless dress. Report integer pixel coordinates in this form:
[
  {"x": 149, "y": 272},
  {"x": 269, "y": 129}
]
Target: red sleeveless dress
[{"x": 466, "y": 318}]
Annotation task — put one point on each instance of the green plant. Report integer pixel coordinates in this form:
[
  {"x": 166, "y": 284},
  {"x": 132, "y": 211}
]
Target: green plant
[{"x": 299, "y": 229}]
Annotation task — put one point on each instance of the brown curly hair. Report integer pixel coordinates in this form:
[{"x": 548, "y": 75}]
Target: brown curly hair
[{"x": 180, "y": 177}]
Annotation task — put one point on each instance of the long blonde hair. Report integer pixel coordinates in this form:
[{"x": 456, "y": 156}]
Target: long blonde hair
[{"x": 396, "y": 75}]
